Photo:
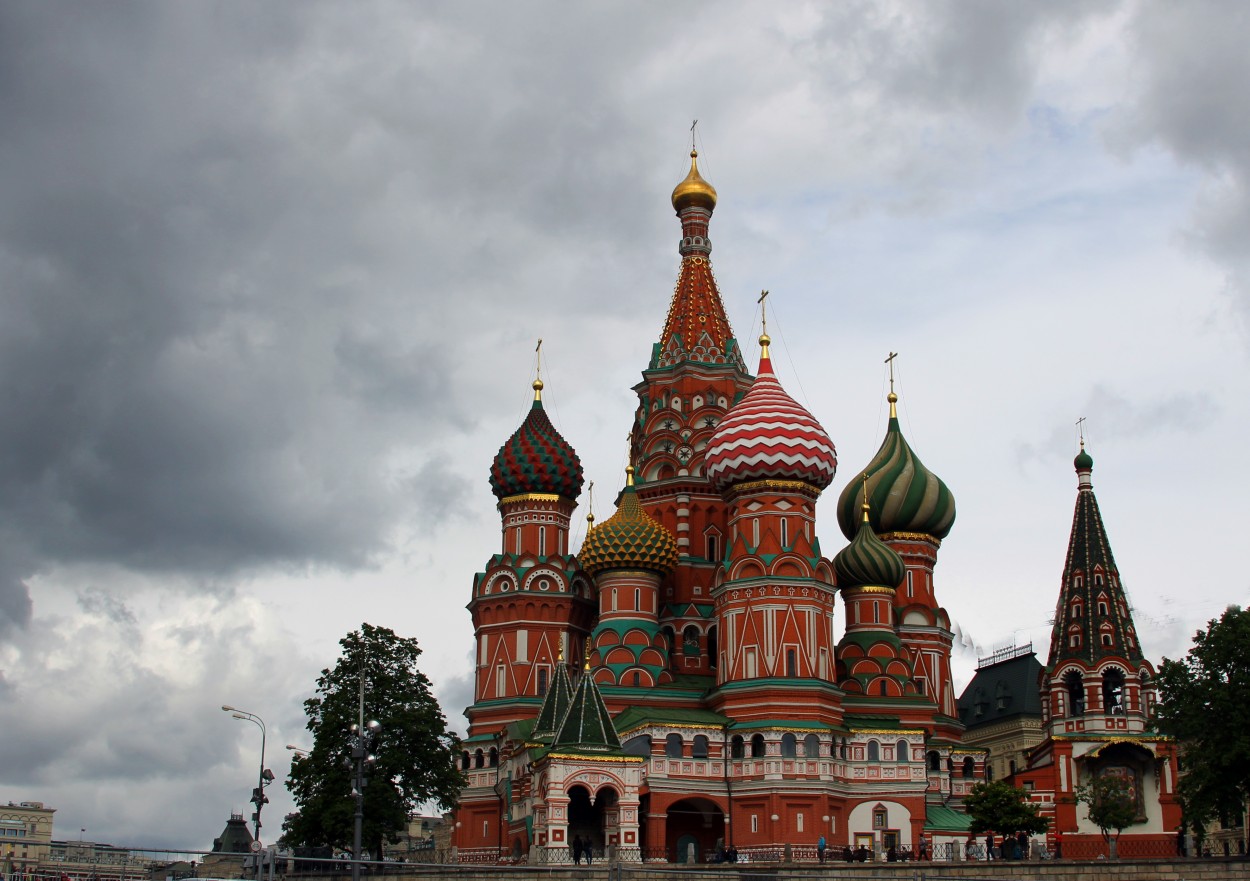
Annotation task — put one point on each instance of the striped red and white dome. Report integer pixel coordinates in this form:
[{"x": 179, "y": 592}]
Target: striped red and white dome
[{"x": 769, "y": 435}]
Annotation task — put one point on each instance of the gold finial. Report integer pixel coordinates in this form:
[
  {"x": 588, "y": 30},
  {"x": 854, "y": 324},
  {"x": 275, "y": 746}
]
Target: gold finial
[
  {"x": 765, "y": 340},
  {"x": 864, "y": 477},
  {"x": 587, "y": 662},
  {"x": 537, "y": 384},
  {"x": 560, "y": 651},
  {"x": 891, "y": 397},
  {"x": 590, "y": 515}
]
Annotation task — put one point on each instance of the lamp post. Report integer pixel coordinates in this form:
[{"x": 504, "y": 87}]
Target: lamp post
[
  {"x": 360, "y": 740},
  {"x": 265, "y": 777}
]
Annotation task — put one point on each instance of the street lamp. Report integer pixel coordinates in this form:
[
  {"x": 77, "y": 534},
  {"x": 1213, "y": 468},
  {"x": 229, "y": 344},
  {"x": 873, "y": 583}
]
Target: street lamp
[
  {"x": 300, "y": 752},
  {"x": 360, "y": 740},
  {"x": 266, "y": 776}
]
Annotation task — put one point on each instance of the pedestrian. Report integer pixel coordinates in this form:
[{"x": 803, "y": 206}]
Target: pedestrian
[
  {"x": 588, "y": 851},
  {"x": 820, "y": 849},
  {"x": 1022, "y": 839},
  {"x": 848, "y": 855},
  {"x": 924, "y": 847},
  {"x": 1058, "y": 844},
  {"x": 577, "y": 850},
  {"x": 989, "y": 846}
]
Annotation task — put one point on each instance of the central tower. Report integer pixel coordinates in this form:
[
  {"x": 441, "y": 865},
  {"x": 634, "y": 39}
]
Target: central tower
[{"x": 695, "y": 375}]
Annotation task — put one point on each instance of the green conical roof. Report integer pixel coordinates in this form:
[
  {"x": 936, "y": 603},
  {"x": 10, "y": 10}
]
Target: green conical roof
[
  {"x": 555, "y": 704},
  {"x": 587, "y": 726},
  {"x": 629, "y": 539},
  {"x": 867, "y": 560},
  {"x": 905, "y": 496}
]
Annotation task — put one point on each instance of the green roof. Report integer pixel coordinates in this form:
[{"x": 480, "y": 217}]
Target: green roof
[
  {"x": 941, "y": 819},
  {"x": 638, "y": 717},
  {"x": 587, "y": 725},
  {"x": 778, "y": 723},
  {"x": 555, "y": 704}
]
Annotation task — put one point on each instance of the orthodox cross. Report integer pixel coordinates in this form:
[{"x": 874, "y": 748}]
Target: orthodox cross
[
  {"x": 763, "y": 313},
  {"x": 692, "y": 125},
  {"x": 590, "y": 515},
  {"x": 538, "y": 358},
  {"x": 1080, "y": 428},
  {"x": 890, "y": 361}
]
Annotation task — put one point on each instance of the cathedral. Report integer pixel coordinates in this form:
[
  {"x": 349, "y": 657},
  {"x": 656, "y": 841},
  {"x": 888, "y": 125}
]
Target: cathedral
[{"x": 675, "y": 685}]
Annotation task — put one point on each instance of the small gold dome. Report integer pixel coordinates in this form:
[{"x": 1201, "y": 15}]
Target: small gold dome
[{"x": 694, "y": 191}]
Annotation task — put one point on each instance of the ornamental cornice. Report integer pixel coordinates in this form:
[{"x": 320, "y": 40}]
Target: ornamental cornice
[
  {"x": 900, "y": 731},
  {"x": 922, "y": 537},
  {"x": 583, "y": 757},
  {"x": 868, "y": 589},
  {"x": 530, "y": 497},
  {"x": 775, "y": 484}
]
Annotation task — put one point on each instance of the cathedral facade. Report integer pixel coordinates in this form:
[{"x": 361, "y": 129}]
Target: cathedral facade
[{"x": 675, "y": 684}]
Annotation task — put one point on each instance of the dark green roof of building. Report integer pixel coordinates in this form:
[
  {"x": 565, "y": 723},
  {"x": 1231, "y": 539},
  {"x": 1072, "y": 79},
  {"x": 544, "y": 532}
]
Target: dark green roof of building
[
  {"x": 639, "y": 717},
  {"x": 943, "y": 819},
  {"x": 1003, "y": 690}
]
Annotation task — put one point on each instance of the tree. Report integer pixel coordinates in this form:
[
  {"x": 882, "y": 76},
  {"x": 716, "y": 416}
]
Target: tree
[
  {"x": 415, "y": 751},
  {"x": 1204, "y": 703},
  {"x": 1002, "y": 808},
  {"x": 1111, "y": 804}
]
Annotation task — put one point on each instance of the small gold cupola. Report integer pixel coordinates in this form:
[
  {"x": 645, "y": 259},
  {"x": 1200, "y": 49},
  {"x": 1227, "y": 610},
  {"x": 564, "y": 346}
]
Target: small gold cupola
[{"x": 694, "y": 191}]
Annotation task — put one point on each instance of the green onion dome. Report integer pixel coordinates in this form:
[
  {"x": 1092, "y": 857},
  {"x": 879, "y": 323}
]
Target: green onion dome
[
  {"x": 1083, "y": 461},
  {"x": 867, "y": 560},
  {"x": 536, "y": 459},
  {"x": 629, "y": 539},
  {"x": 904, "y": 495}
]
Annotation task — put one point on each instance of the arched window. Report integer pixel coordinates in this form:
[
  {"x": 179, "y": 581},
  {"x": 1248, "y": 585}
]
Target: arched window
[
  {"x": 1113, "y": 691},
  {"x": 935, "y": 760},
  {"x": 479, "y": 759},
  {"x": 493, "y": 757},
  {"x": 845, "y": 748},
  {"x": 789, "y": 745},
  {"x": 712, "y": 647},
  {"x": 690, "y": 641},
  {"x": 811, "y": 746},
  {"x": 1076, "y": 693},
  {"x": 465, "y": 761},
  {"x": 901, "y": 752},
  {"x": 1011, "y": 766},
  {"x": 1076, "y": 610},
  {"x": 757, "y": 747},
  {"x": 672, "y": 746},
  {"x": 638, "y": 746},
  {"x": 699, "y": 747},
  {"x": 542, "y": 681},
  {"x": 874, "y": 751},
  {"x": 970, "y": 767},
  {"x": 737, "y": 747},
  {"x": 1102, "y": 608}
]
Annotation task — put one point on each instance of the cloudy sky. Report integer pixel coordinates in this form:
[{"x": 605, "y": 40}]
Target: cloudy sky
[{"x": 271, "y": 277}]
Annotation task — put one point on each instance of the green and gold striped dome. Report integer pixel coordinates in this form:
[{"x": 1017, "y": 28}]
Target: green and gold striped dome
[
  {"x": 903, "y": 494},
  {"x": 629, "y": 539},
  {"x": 867, "y": 560}
]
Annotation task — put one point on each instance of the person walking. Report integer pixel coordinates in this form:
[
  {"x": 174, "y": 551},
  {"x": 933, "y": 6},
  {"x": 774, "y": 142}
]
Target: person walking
[
  {"x": 989, "y": 846},
  {"x": 1022, "y": 840},
  {"x": 820, "y": 849},
  {"x": 577, "y": 850}
]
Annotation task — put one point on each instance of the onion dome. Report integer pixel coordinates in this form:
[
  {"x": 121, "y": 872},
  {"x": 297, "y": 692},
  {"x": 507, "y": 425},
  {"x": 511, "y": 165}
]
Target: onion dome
[
  {"x": 694, "y": 191},
  {"x": 904, "y": 495},
  {"x": 536, "y": 459},
  {"x": 867, "y": 560},
  {"x": 769, "y": 435},
  {"x": 1083, "y": 461},
  {"x": 629, "y": 539}
]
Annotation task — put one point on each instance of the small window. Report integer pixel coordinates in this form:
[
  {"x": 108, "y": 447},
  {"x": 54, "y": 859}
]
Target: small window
[
  {"x": 785, "y": 533},
  {"x": 493, "y": 757},
  {"x": 1102, "y": 608},
  {"x": 758, "y": 750},
  {"x": 699, "y": 747},
  {"x": 542, "y": 681},
  {"x": 900, "y": 752},
  {"x": 737, "y": 747},
  {"x": 755, "y": 823},
  {"x": 879, "y": 818},
  {"x": 874, "y": 751},
  {"x": 935, "y": 760},
  {"x": 1106, "y": 639},
  {"x": 789, "y": 745},
  {"x": 969, "y": 768},
  {"x": 479, "y": 759},
  {"x": 811, "y": 746},
  {"x": 798, "y": 822},
  {"x": 713, "y": 549},
  {"x": 792, "y": 666},
  {"x": 673, "y": 746}
]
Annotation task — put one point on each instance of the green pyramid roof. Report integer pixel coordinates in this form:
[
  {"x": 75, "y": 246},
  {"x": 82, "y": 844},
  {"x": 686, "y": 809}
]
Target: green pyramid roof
[
  {"x": 587, "y": 727},
  {"x": 555, "y": 704}
]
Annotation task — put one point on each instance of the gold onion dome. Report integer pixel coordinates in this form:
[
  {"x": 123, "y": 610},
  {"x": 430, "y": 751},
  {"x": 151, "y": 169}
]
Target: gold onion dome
[
  {"x": 867, "y": 560},
  {"x": 629, "y": 539},
  {"x": 694, "y": 191}
]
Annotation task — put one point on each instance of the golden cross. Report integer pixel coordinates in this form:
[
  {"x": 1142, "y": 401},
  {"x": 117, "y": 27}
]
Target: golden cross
[
  {"x": 692, "y": 125},
  {"x": 1080, "y": 427},
  {"x": 763, "y": 313},
  {"x": 890, "y": 361},
  {"x": 538, "y": 358},
  {"x": 590, "y": 515}
]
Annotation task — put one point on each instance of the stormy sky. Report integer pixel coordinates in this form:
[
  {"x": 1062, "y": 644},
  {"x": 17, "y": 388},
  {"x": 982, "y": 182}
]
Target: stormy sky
[{"x": 271, "y": 275}]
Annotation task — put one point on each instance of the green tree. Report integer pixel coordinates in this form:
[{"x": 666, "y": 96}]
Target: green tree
[
  {"x": 1002, "y": 808},
  {"x": 1111, "y": 804},
  {"x": 415, "y": 751},
  {"x": 1204, "y": 703}
]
